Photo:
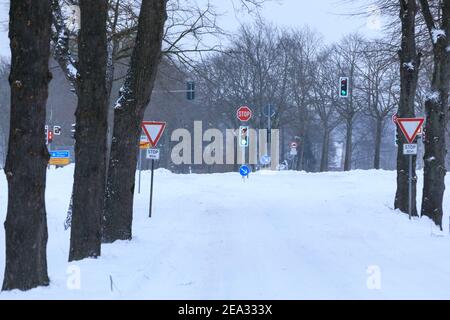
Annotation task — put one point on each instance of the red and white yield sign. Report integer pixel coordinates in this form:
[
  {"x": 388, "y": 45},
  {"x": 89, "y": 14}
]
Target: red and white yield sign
[
  {"x": 244, "y": 113},
  {"x": 153, "y": 130},
  {"x": 410, "y": 127}
]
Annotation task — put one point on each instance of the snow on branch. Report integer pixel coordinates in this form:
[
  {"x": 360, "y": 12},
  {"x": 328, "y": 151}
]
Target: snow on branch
[
  {"x": 437, "y": 34},
  {"x": 61, "y": 51},
  {"x": 433, "y": 96},
  {"x": 409, "y": 66}
]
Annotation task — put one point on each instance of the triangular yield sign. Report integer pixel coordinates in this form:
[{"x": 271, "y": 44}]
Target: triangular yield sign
[
  {"x": 153, "y": 130},
  {"x": 410, "y": 127}
]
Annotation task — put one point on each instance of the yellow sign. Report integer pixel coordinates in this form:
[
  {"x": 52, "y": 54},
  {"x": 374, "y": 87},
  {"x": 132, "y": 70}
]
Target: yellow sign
[
  {"x": 59, "y": 161},
  {"x": 144, "y": 145}
]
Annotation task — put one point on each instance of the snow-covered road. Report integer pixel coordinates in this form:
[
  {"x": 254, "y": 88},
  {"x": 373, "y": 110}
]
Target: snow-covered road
[{"x": 280, "y": 235}]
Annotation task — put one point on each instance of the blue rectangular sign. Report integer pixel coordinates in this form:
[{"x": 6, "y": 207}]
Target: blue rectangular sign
[{"x": 60, "y": 154}]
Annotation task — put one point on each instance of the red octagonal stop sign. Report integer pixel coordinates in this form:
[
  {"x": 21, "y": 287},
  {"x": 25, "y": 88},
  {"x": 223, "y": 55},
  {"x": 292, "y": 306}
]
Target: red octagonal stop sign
[{"x": 244, "y": 113}]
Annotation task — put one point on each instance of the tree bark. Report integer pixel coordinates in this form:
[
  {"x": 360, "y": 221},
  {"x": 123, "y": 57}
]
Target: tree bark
[
  {"x": 26, "y": 163},
  {"x": 348, "y": 146},
  {"x": 325, "y": 151},
  {"x": 436, "y": 109},
  {"x": 377, "y": 156},
  {"x": 91, "y": 131},
  {"x": 409, "y": 74},
  {"x": 128, "y": 115}
]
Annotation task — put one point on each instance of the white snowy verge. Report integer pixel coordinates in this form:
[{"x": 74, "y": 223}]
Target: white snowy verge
[{"x": 275, "y": 236}]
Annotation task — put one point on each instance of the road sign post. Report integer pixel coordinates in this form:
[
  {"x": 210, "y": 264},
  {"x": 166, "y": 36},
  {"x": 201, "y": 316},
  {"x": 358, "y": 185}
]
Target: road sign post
[
  {"x": 410, "y": 150},
  {"x": 243, "y": 114},
  {"x": 410, "y": 127},
  {"x": 151, "y": 190},
  {"x": 152, "y": 154},
  {"x": 410, "y": 186},
  {"x": 153, "y": 130}
]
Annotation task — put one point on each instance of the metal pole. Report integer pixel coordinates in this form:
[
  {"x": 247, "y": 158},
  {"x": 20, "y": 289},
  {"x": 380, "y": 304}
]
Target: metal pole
[
  {"x": 269, "y": 124},
  {"x": 151, "y": 189},
  {"x": 140, "y": 170},
  {"x": 410, "y": 187}
]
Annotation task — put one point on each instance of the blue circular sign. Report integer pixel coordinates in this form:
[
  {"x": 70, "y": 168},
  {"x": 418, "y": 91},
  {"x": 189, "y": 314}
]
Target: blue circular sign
[
  {"x": 265, "y": 160},
  {"x": 244, "y": 170}
]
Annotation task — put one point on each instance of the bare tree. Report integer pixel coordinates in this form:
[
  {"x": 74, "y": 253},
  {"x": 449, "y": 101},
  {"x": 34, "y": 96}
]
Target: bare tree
[
  {"x": 347, "y": 55},
  {"x": 302, "y": 47},
  {"x": 436, "y": 109},
  {"x": 254, "y": 71},
  {"x": 26, "y": 162},
  {"x": 128, "y": 115},
  {"x": 91, "y": 130},
  {"x": 410, "y": 60},
  {"x": 325, "y": 98},
  {"x": 379, "y": 90}
]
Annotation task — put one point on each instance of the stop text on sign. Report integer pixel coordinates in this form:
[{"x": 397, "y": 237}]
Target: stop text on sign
[{"x": 244, "y": 113}]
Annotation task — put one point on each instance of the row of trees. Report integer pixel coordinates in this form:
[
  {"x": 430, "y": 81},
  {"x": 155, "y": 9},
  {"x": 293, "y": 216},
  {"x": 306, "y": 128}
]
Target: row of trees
[
  {"x": 420, "y": 32},
  {"x": 299, "y": 74},
  {"x": 109, "y": 33},
  {"x": 30, "y": 35},
  {"x": 406, "y": 73}
]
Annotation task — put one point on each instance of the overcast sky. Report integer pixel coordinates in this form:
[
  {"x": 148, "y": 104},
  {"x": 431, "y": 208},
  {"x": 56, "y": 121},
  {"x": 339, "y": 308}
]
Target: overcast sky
[
  {"x": 325, "y": 16},
  {"x": 329, "y": 17}
]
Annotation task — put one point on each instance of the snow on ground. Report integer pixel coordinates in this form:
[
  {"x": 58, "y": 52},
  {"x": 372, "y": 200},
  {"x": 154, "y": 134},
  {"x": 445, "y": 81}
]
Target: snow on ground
[{"x": 285, "y": 235}]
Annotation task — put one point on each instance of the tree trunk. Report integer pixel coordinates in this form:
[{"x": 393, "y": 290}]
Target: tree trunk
[
  {"x": 348, "y": 146},
  {"x": 301, "y": 146},
  {"x": 435, "y": 152},
  {"x": 377, "y": 156},
  {"x": 409, "y": 72},
  {"x": 436, "y": 109},
  {"x": 128, "y": 115},
  {"x": 325, "y": 151},
  {"x": 91, "y": 130},
  {"x": 26, "y": 163}
]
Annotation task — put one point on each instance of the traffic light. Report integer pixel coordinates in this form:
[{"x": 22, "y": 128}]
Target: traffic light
[
  {"x": 46, "y": 134},
  {"x": 57, "y": 130},
  {"x": 190, "y": 90},
  {"x": 343, "y": 92},
  {"x": 72, "y": 131},
  {"x": 243, "y": 136},
  {"x": 49, "y": 136}
]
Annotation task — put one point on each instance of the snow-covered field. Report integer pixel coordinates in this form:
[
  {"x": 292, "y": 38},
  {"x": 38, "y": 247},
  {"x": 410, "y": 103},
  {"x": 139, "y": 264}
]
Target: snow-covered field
[{"x": 282, "y": 235}]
